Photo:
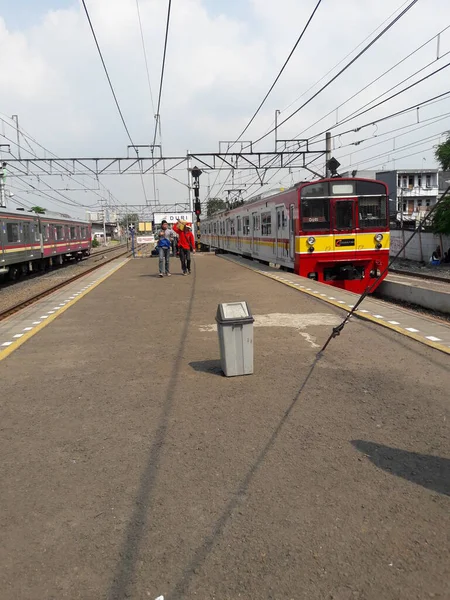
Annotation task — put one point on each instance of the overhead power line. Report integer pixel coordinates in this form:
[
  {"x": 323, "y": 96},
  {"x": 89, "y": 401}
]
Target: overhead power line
[
  {"x": 113, "y": 92},
  {"x": 281, "y": 70},
  {"x": 363, "y": 89},
  {"x": 269, "y": 92},
  {"x": 348, "y": 65},
  {"x": 145, "y": 56},
  {"x": 163, "y": 66},
  {"x": 366, "y": 110},
  {"x": 106, "y": 72}
]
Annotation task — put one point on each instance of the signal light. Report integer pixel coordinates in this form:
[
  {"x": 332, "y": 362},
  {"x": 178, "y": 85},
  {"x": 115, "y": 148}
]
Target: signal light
[{"x": 197, "y": 208}]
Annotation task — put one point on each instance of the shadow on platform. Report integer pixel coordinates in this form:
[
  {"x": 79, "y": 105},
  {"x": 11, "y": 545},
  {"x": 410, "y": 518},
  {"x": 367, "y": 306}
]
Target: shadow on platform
[
  {"x": 432, "y": 472},
  {"x": 207, "y": 366}
]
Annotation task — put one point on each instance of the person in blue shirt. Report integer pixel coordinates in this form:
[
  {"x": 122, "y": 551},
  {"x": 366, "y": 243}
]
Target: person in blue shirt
[{"x": 165, "y": 237}]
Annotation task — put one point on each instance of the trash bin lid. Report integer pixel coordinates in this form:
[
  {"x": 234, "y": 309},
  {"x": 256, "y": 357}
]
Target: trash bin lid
[{"x": 234, "y": 312}]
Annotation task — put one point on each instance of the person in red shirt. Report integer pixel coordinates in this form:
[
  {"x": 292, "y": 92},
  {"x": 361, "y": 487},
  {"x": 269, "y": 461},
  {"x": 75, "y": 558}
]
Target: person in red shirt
[{"x": 186, "y": 245}]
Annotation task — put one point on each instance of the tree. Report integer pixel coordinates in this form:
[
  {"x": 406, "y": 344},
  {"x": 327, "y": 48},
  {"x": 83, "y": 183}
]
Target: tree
[
  {"x": 214, "y": 206},
  {"x": 130, "y": 218},
  {"x": 38, "y": 210},
  {"x": 441, "y": 217},
  {"x": 442, "y": 154}
]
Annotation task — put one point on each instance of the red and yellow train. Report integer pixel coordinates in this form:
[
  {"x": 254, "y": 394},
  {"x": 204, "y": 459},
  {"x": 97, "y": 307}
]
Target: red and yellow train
[
  {"x": 30, "y": 242},
  {"x": 335, "y": 231}
]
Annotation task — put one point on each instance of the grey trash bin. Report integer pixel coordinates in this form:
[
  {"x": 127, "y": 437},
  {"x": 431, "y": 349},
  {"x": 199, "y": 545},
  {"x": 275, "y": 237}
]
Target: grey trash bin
[{"x": 235, "y": 328}]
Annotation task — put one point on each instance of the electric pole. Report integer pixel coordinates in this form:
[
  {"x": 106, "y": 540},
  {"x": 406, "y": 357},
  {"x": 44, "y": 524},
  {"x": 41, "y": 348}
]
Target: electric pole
[
  {"x": 328, "y": 152},
  {"x": 197, "y": 207},
  {"x": 2, "y": 186}
]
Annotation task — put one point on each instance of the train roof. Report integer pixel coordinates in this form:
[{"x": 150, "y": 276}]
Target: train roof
[
  {"x": 47, "y": 215},
  {"x": 275, "y": 192}
]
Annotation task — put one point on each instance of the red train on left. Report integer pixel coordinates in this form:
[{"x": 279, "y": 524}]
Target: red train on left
[{"x": 31, "y": 242}]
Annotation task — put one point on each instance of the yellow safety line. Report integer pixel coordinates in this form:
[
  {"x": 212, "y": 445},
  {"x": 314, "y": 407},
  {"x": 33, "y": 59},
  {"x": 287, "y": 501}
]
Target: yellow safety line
[
  {"x": 10, "y": 349},
  {"x": 363, "y": 316}
]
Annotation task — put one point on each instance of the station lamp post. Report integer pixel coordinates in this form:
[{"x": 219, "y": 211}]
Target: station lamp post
[{"x": 197, "y": 206}]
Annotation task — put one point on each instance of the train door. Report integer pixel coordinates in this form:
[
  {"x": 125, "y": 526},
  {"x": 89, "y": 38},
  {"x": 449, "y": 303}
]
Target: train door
[
  {"x": 254, "y": 241},
  {"x": 282, "y": 240},
  {"x": 2, "y": 242},
  {"x": 239, "y": 233},
  {"x": 344, "y": 237},
  {"x": 291, "y": 233}
]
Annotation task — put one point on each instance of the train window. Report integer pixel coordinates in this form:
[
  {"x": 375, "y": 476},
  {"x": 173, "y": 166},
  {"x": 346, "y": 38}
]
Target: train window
[
  {"x": 370, "y": 188},
  {"x": 246, "y": 226},
  {"x": 73, "y": 233},
  {"x": 372, "y": 212},
  {"x": 26, "y": 232},
  {"x": 315, "y": 190},
  {"x": 284, "y": 219},
  {"x": 256, "y": 222},
  {"x": 59, "y": 232},
  {"x": 344, "y": 214},
  {"x": 315, "y": 213},
  {"x": 232, "y": 227},
  {"x": 266, "y": 223},
  {"x": 12, "y": 232},
  {"x": 239, "y": 224}
]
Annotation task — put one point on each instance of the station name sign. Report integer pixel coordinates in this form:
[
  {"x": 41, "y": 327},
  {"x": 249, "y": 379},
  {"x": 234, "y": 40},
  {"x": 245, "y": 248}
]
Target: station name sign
[{"x": 172, "y": 217}]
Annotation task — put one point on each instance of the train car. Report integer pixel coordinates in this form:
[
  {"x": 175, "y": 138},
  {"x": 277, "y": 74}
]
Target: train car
[
  {"x": 335, "y": 231},
  {"x": 30, "y": 242}
]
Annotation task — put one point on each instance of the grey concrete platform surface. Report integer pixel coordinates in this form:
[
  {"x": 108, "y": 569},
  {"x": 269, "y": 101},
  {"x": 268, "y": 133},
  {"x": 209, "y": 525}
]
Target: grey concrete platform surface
[
  {"x": 131, "y": 468},
  {"x": 425, "y": 329}
]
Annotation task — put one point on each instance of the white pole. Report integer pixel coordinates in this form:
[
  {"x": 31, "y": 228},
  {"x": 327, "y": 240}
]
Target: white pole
[
  {"x": 2, "y": 188},
  {"x": 189, "y": 174}
]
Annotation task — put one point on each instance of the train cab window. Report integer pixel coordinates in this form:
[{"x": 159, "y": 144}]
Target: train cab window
[
  {"x": 315, "y": 190},
  {"x": 246, "y": 227},
  {"x": 12, "y": 232},
  {"x": 344, "y": 214},
  {"x": 315, "y": 213},
  {"x": 372, "y": 212},
  {"x": 266, "y": 224}
]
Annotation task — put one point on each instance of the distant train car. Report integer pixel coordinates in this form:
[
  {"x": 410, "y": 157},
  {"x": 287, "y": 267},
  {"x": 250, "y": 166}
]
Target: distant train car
[
  {"x": 30, "y": 242},
  {"x": 335, "y": 231}
]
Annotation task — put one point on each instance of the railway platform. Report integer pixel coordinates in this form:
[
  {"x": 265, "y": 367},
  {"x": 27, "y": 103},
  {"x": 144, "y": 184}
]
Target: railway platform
[{"x": 131, "y": 468}]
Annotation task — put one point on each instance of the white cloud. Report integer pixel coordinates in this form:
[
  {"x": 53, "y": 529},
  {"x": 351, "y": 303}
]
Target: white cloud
[{"x": 218, "y": 69}]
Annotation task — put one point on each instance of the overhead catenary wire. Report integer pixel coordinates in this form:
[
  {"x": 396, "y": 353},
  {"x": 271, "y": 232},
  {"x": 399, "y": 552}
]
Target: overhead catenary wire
[
  {"x": 163, "y": 66},
  {"x": 347, "y": 66},
  {"x": 270, "y": 89},
  {"x": 26, "y": 135},
  {"x": 378, "y": 79},
  {"x": 342, "y": 70},
  {"x": 94, "y": 35}
]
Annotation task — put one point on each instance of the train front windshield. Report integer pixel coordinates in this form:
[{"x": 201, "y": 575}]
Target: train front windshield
[{"x": 343, "y": 205}]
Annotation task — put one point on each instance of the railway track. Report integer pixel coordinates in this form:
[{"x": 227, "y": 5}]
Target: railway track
[
  {"x": 419, "y": 275},
  {"x": 42, "y": 294}
]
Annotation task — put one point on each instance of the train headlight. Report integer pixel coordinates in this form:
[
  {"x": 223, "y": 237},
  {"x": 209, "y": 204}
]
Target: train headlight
[
  {"x": 311, "y": 240},
  {"x": 379, "y": 237}
]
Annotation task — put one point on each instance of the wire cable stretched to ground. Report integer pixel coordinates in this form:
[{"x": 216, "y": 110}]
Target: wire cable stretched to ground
[{"x": 338, "y": 329}]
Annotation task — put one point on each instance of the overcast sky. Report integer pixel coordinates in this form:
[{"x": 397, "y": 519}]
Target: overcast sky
[{"x": 222, "y": 57}]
